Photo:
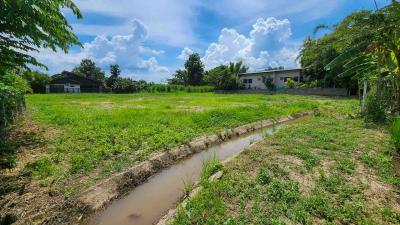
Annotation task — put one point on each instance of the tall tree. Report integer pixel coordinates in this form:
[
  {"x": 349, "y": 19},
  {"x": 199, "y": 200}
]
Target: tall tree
[
  {"x": 115, "y": 71},
  {"x": 226, "y": 77},
  {"x": 114, "y": 74},
  {"x": 37, "y": 80},
  {"x": 29, "y": 25},
  {"x": 89, "y": 69},
  {"x": 195, "y": 69}
]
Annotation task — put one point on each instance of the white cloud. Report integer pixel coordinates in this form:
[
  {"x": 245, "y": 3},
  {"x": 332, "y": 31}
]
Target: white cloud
[
  {"x": 169, "y": 22},
  {"x": 129, "y": 51},
  {"x": 152, "y": 65},
  {"x": 185, "y": 53},
  {"x": 266, "y": 45}
]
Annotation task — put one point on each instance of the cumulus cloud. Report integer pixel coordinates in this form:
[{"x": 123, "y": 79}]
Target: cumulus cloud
[
  {"x": 185, "y": 53},
  {"x": 266, "y": 45},
  {"x": 129, "y": 51}
]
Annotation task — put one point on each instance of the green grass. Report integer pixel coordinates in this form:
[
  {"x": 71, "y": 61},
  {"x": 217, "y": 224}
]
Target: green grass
[
  {"x": 328, "y": 169},
  {"x": 103, "y": 133},
  {"x": 396, "y": 133}
]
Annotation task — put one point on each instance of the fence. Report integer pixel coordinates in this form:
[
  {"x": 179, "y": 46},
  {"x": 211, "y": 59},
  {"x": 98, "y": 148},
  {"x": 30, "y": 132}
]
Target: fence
[{"x": 306, "y": 91}]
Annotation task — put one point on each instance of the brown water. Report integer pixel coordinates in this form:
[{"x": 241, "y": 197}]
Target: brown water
[{"x": 148, "y": 202}]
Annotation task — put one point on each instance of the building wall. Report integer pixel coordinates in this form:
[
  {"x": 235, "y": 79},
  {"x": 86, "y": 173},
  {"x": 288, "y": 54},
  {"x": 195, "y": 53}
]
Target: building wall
[
  {"x": 279, "y": 78},
  {"x": 308, "y": 91},
  {"x": 257, "y": 82}
]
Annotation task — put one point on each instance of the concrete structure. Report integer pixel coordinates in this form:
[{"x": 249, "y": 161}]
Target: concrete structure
[
  {"x": 68, "y": 82},
  {"x": 306, "y": 91},
  {"x": 256, "y": 80}
]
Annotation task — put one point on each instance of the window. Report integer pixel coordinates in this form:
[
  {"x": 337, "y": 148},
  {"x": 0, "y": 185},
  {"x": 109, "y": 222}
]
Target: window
[{"x": 247, "y": 81}]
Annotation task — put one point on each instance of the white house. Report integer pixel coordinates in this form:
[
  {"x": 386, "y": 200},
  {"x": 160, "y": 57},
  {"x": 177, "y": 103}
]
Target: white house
[{"x": 256, "y": 80}]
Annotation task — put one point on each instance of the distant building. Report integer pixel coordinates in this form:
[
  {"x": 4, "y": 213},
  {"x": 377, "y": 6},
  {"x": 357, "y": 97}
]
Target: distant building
[
  {"x": 256, "y": 80},
  {"x": 68, "y": 82}
]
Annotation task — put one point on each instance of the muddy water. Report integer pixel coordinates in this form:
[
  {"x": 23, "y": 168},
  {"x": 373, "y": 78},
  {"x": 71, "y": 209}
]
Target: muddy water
[{"x": 148, "y": 202}]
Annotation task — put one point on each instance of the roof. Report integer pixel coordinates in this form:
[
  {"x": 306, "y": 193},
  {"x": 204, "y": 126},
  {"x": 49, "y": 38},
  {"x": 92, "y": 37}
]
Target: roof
[
  {"x": 74, "y": 78},
  {"x": 270, "y": 71}
]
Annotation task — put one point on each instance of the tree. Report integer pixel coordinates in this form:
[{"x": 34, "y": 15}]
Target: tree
[
  {"x": 269, "y": 68},
  {"x": 27, "y": 26},
  {"x": 180, "y": 77},
  {"x": 115, "y": 72},
  {"x": 226, "y": 77},
  {"x": 371, "y": 51},
  {"x": 37, "y": 80},
  {"x": 195, "y": 70},
  {"x": 89, "y": 69},
  {"x": 236, "y": 68}
]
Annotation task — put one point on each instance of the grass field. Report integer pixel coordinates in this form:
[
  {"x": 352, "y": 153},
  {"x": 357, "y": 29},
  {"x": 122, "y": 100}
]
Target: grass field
[
  {"x": 332, "y": 168},
  {"x": 99, "y": 134}
]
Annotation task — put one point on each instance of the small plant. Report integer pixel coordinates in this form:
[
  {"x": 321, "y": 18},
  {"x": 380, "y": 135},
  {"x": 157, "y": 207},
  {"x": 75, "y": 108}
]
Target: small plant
[
  {"x": 264, "y": 177},
  {"x": 187, "y": 187},
  {"x": 210, "y": 167},
  {"x": 41, "y": 167}
]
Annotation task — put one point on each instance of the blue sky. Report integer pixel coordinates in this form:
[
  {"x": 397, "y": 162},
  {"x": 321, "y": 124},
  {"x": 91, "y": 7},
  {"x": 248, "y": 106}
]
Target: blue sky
[{"x": 151, "y": 39}]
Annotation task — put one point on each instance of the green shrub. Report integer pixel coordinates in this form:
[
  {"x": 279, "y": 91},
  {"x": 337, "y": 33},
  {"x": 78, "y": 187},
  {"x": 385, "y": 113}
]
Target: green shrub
[
  {"x": 375, "y": 108},
  {"x": 12, "y": 100},
  {"x": 303, "y": 86},
  {"x": 396, "y": 133},
  {"x": 290, "y": 83},
  {"x": 314, "y": 84}
]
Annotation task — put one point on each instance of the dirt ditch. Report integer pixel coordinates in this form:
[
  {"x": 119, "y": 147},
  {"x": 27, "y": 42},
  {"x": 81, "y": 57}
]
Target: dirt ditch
[{"x": 79, "y": 208}]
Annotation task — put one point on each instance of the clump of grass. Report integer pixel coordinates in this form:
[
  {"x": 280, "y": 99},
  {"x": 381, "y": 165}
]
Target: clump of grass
[
  {"x": 210, "y": 166},
  {"x": 187, "y": 187},
  {"x": 42, "y": 167},
  {"x": 286, "y": 191},
  {"x": 345, "y": 165},
  {"x": 264, "y": 176}
]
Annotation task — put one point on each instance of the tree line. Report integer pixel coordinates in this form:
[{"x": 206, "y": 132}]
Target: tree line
[
  {"x": 361, "y": 52},
  {"x": 221, "y": 77}
]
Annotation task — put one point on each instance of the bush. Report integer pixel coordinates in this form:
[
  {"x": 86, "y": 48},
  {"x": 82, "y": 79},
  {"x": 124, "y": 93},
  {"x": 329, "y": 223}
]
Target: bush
[
  {"x": 376, "y": 107},
  {"x": 303, "y": 86},
  {"x": 314, "y": 84},
  {"x": 290, "y": 83},
  {"x": 396, "y": 133},
  {"x": 12, "y": 101}
]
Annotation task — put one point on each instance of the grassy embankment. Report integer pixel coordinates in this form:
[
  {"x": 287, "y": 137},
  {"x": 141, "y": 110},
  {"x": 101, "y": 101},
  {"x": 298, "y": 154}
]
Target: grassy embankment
[
  {"x": 89, "y": 136},
  {"x": 329, "y": 169}
]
